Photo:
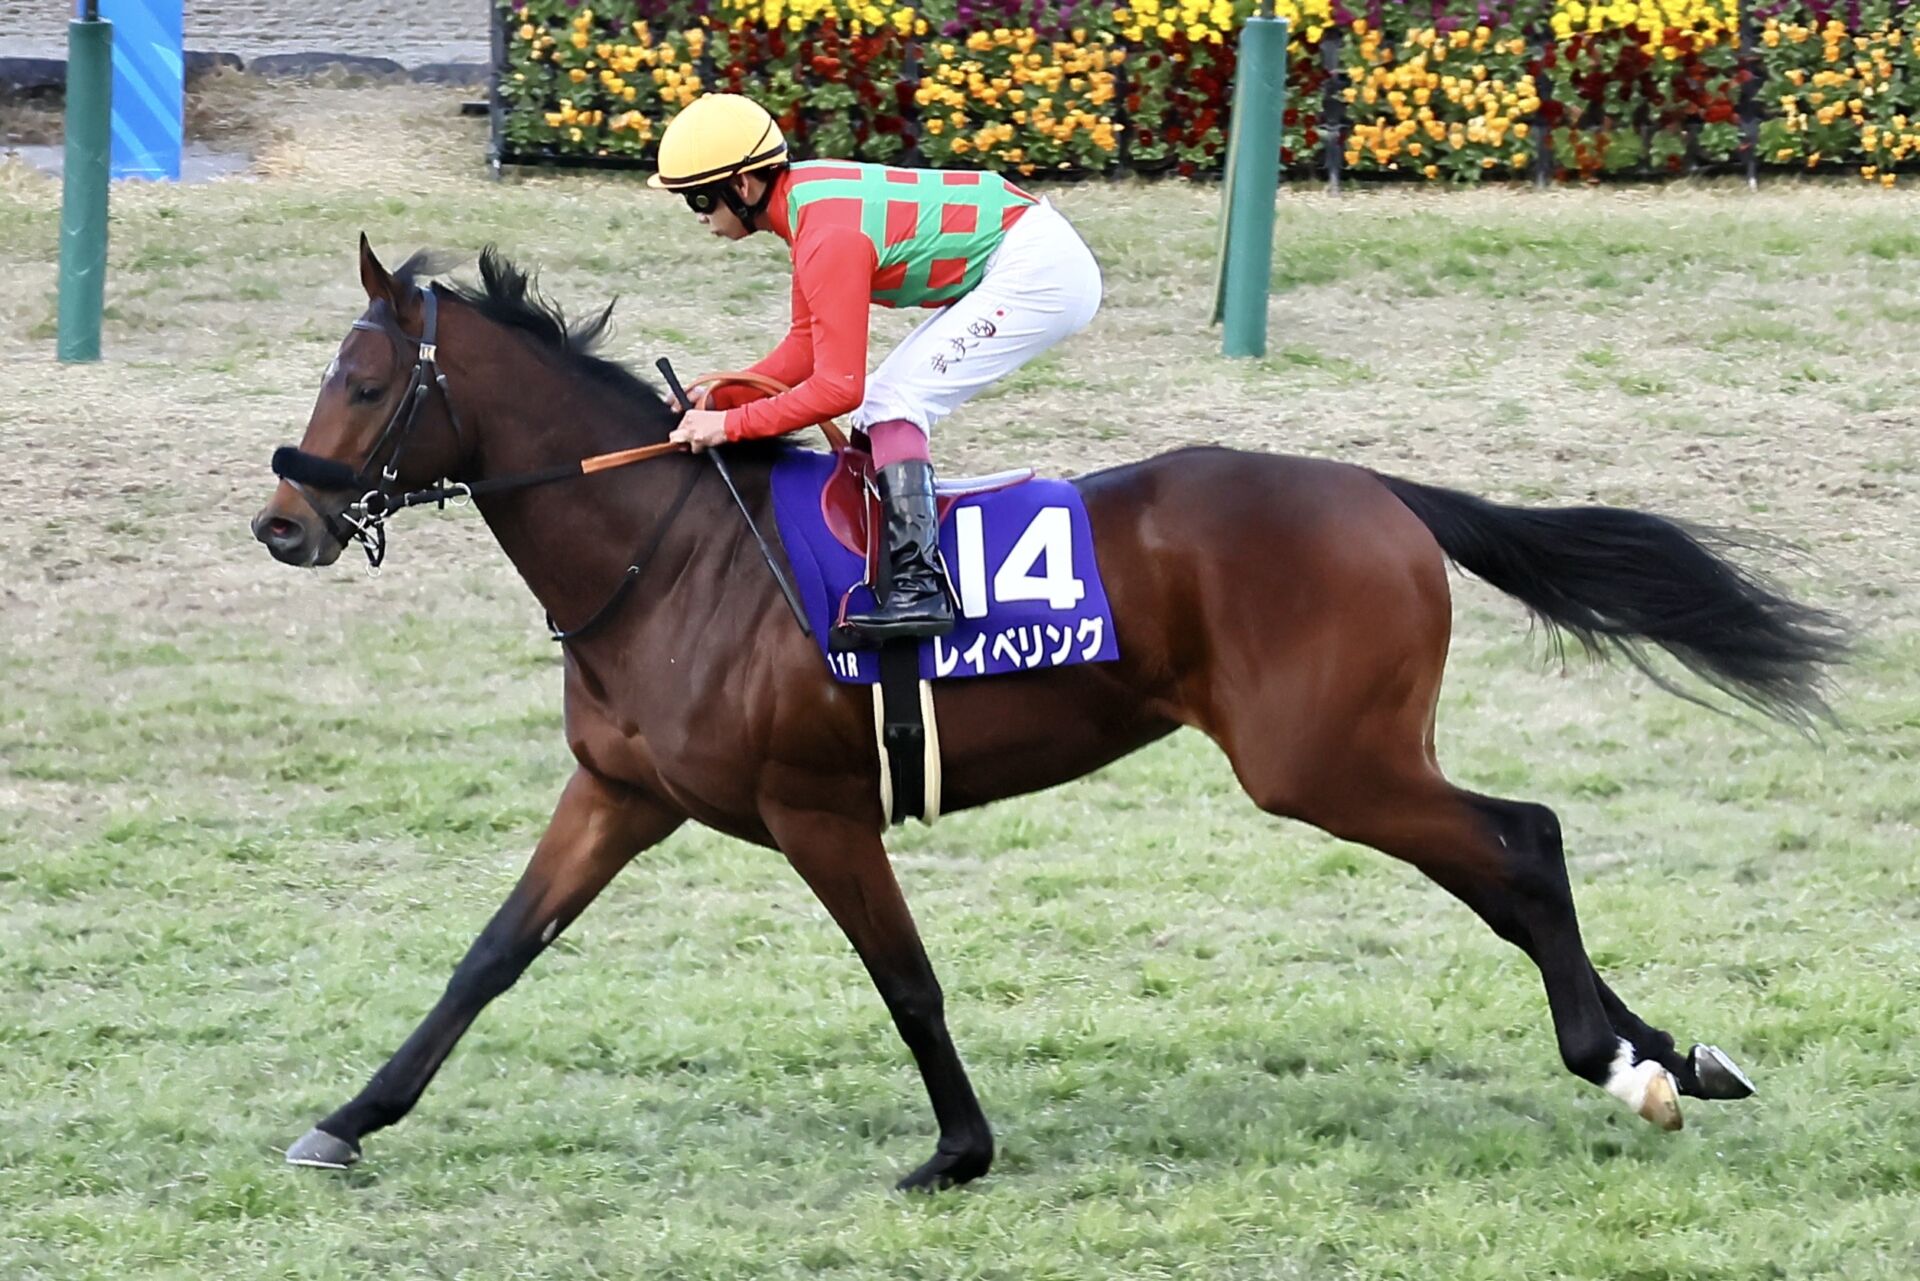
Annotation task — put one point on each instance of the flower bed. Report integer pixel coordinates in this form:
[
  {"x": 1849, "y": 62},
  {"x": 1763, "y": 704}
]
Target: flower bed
[{"x": 1445, "y": 90}]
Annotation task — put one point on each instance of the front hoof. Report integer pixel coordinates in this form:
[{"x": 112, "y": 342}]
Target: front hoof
[
  {"x": 1719, "y": 1076},
  {"x": 948, "y": 1170},
  {"x": 322, "y": 1151}
]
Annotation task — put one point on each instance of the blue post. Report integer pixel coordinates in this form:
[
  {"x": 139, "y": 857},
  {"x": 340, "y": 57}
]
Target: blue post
[{"x": 149, "y": 72}]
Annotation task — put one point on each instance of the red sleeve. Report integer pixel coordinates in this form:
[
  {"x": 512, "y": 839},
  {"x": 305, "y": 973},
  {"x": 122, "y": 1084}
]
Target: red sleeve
[
  {"x": 789, "y": 363},
  {"x": 833, "y": 280}
]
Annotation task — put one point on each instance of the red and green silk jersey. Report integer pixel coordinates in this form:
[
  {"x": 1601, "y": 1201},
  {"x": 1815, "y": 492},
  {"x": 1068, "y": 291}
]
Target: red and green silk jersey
[
  {"x": 864, "y": 234},
  {"x": 932, "y": 231}
]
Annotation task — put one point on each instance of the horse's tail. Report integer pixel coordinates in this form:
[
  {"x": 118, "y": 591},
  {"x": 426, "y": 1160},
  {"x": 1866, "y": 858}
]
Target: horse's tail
[{"x": 1616, "y": 579}]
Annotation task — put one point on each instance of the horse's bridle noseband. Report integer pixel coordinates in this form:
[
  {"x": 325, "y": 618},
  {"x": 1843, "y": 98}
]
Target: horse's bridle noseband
[{"x": 364, "y": 520}]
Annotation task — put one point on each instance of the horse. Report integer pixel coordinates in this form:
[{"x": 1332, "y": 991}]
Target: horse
[{"x": 1295, "y": 611}]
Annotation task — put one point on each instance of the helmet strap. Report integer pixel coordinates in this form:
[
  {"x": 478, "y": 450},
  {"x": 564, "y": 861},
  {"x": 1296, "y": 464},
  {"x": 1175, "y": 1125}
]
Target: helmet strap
[{"x": 748, "y": 214}]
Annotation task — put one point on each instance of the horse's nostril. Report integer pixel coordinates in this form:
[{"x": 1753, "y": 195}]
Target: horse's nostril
[{"x": 280, "y": 534}]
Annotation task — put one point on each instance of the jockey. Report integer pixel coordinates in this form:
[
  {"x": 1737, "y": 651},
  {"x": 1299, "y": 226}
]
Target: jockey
[{"x": 1009, "y": 276}]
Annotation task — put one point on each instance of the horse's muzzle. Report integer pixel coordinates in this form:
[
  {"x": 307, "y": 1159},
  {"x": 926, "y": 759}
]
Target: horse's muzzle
[{"x": 293, "y": 540}]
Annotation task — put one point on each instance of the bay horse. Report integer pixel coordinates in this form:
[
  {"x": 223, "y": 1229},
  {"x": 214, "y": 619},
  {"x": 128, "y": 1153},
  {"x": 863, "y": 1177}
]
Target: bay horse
[{"x": 1295, "y": 611}]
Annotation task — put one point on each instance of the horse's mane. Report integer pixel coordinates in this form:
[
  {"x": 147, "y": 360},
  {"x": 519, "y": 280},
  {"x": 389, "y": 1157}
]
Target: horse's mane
[{"x": 511, "y": 297}]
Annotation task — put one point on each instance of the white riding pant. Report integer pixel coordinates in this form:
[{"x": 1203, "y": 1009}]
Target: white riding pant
[{"x": 1041, "y": 285}]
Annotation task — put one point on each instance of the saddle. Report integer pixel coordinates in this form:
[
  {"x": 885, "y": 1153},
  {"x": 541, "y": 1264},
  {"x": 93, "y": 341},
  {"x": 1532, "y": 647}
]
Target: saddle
[{"x": 850, "y": 501}]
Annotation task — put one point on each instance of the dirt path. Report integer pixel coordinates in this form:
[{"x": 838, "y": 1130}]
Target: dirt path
[{"x": 409, "y": 34}]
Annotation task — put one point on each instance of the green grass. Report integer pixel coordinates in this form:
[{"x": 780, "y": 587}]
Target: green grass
[{"x": 250, "y": 818}]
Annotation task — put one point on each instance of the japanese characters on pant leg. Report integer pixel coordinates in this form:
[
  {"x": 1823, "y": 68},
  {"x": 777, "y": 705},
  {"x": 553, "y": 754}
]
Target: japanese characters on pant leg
[{"x": 1041, "y": 285}]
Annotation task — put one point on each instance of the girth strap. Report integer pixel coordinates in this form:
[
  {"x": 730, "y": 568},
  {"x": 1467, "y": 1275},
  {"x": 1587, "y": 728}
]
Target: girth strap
[{"x": 908, "y": 736}]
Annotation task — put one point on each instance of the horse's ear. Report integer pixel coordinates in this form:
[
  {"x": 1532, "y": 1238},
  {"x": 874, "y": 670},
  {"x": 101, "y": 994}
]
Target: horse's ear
[{"x": 377, "y": 280}]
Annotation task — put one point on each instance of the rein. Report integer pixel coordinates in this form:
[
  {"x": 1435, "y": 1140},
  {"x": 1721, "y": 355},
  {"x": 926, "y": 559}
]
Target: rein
[{"x": 365, "y": 520}]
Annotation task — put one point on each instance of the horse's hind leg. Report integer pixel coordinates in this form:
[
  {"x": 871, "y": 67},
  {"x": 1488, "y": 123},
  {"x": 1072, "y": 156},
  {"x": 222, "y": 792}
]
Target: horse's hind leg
[
  {"x": 1326, "y": 710},
  {"x": 1504, "y": 860}
]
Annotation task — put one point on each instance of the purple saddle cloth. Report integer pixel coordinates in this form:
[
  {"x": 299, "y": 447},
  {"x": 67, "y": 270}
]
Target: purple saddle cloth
[{"x": 1020, "y": 559}]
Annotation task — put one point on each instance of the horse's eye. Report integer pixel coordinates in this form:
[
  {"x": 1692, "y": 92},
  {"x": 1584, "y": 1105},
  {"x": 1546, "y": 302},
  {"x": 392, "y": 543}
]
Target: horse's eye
[{"x": 367, "y": 395}]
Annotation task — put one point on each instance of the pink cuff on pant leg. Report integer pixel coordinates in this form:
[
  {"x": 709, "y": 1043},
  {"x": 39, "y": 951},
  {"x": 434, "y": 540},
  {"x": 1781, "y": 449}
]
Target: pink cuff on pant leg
[{"x": 898, "y": 441}]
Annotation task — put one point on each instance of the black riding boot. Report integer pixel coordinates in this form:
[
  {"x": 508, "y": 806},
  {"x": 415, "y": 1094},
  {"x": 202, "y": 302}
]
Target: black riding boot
[{"x": 913, "y": 595}]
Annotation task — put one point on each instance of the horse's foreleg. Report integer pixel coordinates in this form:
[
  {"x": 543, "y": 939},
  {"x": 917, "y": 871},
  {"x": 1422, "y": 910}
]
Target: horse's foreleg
[
  {"x": 845, "y": 864},
  {"x": 596, "y": 829}
]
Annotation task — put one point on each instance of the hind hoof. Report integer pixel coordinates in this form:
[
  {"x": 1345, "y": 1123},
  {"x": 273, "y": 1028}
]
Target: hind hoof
[
  {"x": 1661, "y": 1103},
  {"x": 322, "y": 1151},
  {"x": 1719, "y": 1076},
  {"x": 1646, "y": 1087}
]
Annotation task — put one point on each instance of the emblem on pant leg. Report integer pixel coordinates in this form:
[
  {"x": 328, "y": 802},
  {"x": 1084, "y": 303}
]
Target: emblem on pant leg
[{"x": 978, "y": 331}]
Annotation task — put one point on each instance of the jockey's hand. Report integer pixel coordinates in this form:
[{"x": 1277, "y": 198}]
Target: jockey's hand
[{"x": 702, "y": 429}]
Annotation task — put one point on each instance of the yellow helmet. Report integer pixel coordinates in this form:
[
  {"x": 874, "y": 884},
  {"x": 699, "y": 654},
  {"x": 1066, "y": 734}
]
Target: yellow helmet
[{"x": 717, "y": 136}]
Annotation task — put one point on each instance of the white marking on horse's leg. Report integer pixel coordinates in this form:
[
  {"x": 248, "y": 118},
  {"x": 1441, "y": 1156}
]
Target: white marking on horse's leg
[
  {"x": 553, "y": 928},
  {"x": 1648, "y": 1088}
]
